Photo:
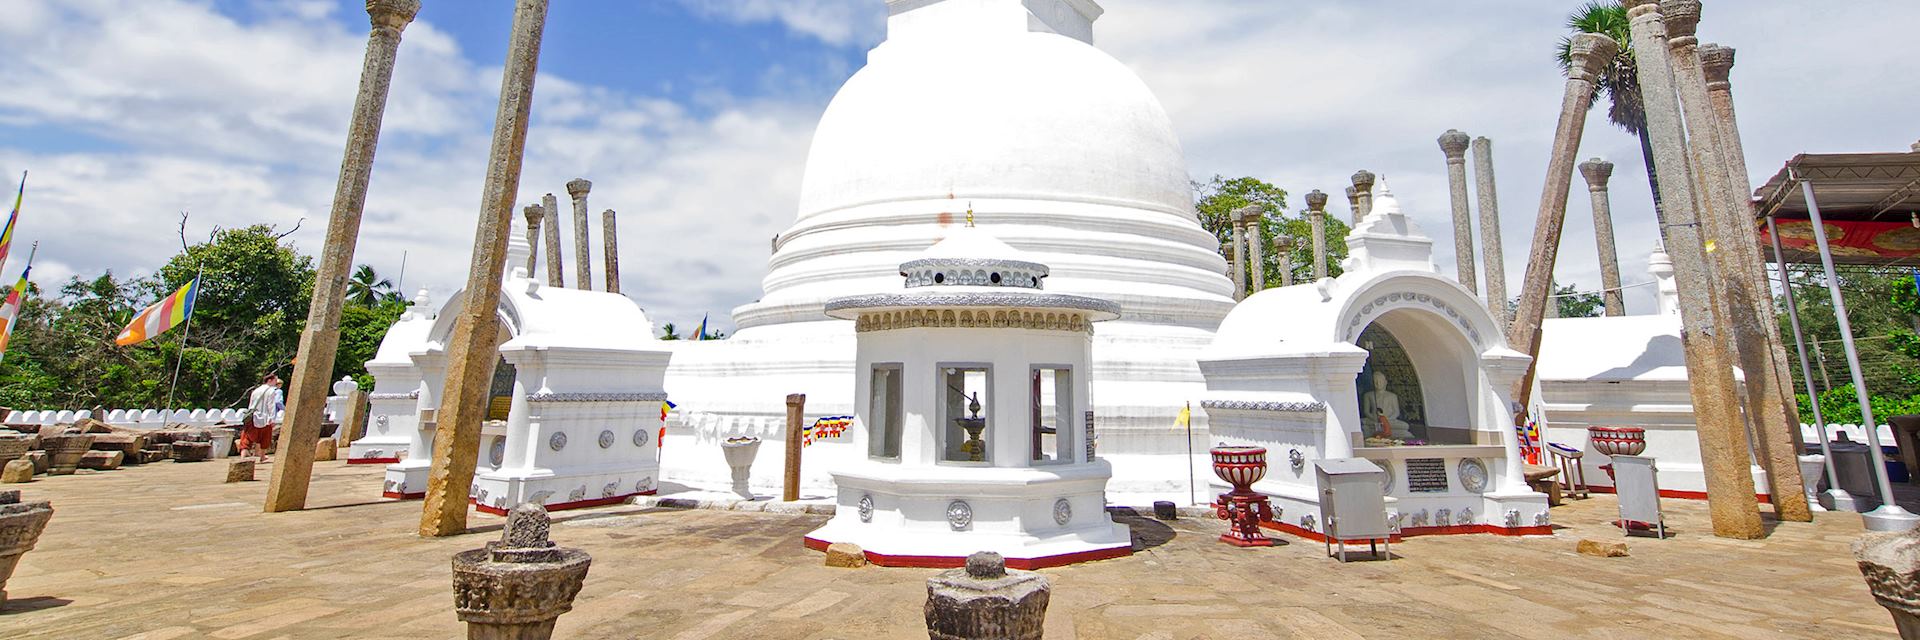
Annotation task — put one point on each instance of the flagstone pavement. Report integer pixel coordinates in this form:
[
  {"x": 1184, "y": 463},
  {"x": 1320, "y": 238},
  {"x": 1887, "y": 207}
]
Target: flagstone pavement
[{"x": 168, "y": 551}]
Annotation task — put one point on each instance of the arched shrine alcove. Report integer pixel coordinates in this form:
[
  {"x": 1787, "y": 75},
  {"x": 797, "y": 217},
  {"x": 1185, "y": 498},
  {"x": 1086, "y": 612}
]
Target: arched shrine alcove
[{"x": 1428, "y": 367}]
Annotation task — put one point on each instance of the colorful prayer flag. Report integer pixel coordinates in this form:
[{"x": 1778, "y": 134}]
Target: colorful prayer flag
[
  {"x": 169, "y": 312},
  {"x": 665, "y": 406},
  {"x": 6, "y": 234},
  {"x": 1185, "y": 419},
  {"x": 702, "y": 333},
  {"x": 828, "y": 427},
  {"x": 10, "y": 310}
]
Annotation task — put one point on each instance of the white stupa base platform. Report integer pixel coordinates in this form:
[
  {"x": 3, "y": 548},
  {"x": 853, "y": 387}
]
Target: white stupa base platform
[
  {"x": 378, "y": 449},
  {"x": 1011, "y": 511},
  {"x": 497, "y": 492},
  {"x": 1507, "y": 513},
  {"x": 406, "y": 479}
]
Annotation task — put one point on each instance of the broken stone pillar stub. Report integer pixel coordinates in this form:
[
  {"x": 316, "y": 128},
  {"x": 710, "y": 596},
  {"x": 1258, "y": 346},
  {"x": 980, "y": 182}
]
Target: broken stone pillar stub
[
  {"x": 1317, "y": 216},
  {"x": 517, "y": 586},
  {"x": 985, "y": 600},
  {"x": 20, "y": 527}
]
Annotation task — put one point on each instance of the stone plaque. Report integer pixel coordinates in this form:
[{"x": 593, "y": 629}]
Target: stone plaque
[{"x": 1426, "y": 475}]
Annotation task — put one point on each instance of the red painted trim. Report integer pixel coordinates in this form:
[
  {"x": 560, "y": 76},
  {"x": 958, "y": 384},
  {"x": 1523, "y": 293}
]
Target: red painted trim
[
  {"x": 1680, "y": 495},
  {"x": 372, "y": 460},
  {"x": 402, "y": 496},
  {"x": 1307, "y": 533},
  {"x": 1412, "y": 532},
  {"x": 953, "y": 562},
  {"x": 596, "y": 502}
]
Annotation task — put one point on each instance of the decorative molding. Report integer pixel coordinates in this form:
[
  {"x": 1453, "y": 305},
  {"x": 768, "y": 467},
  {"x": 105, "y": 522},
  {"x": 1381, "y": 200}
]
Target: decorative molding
[
  {"x": 1473, "y": 475},
  {"x": 410, "y": 395},
  {"x": 606, "y": 439},
  {"x": 1062, "y": 512},
  {"x": 1400, "y": 300},
  {"x": 655, "y": 396},
  {"x": 969, "y": 319},
  {"x": 1011, "y": 299},
  {"x": 959, "y": 515},
  {"x": 640, "y": 437},
  {"x": 866, "y": 508},
  {"x": 1266, "y": 406},
  {"x": 557, "y": 441}
]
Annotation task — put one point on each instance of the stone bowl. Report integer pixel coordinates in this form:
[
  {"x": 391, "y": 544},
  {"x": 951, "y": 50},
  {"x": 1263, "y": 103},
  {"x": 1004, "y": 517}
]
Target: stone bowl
[
  {"x": 514, "y": 593},
  {"x": 1240, "y": 466},
  {"x": 65, "y": 451},
  {"x": 1618, "y": 441}
]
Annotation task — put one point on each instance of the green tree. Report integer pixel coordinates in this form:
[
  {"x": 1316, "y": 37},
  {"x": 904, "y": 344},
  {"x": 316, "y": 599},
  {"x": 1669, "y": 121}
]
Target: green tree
[
  {"x": 1217, "y": 199},
  {"x": 1881, "y": 306},
  {"x": 668, "y": 332},
  {"x": 361, "y": 330},
  {"x": 1571, "y": 303},
  {"x": 368, "y": 289},
  {"x": 1619, "y": 81}
]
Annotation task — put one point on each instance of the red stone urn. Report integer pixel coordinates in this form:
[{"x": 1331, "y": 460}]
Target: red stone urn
[
  {"x": 1243, "y": 508},
  {"x": 1618, "y": 441}
]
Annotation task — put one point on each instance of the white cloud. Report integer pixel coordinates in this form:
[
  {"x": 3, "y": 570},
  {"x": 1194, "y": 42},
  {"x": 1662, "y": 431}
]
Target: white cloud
[{"x": 835, "y": 22}]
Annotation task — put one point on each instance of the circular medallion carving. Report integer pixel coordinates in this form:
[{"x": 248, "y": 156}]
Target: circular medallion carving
[
  {"x": 498, "y": 452},
  {"x": 1296, "y": 460},
  {"x": 557, "y": 441},
  {"x": 866, "y": 508},
  {"x": 959, "y": 515},
  {"x": 1386, "y": 484},
  {"x": 1062, "y": 512},
  {"x": 1473, "y": 475},
  {"x": 640, "y": 437},
  {"x": 606, "y": 439},
  {"x": 380, "y": 421}
]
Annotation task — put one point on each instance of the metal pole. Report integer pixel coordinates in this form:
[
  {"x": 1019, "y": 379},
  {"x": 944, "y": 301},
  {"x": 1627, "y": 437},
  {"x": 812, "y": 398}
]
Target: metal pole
[
  {"x": 1193, "y": 491},
  {"x": 1889, "y": 516},
  {"x": 1842, "y": 501},
  {"x": 185, "y": 332}
]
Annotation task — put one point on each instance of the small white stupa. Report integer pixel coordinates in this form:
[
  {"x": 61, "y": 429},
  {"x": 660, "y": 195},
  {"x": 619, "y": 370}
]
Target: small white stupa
[
  {"x": 974, "y": 412},
  {"x": 1391, "y": 362}
]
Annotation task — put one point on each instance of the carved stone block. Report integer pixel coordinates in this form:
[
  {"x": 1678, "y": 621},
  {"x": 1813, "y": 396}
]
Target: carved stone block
[{"x": 985, "y": 600}]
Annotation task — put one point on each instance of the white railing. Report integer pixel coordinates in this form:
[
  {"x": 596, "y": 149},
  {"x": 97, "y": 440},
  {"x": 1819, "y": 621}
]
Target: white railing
[
  {"x": 135, "y": 418},
  {"x": 1854, "y": 432}
]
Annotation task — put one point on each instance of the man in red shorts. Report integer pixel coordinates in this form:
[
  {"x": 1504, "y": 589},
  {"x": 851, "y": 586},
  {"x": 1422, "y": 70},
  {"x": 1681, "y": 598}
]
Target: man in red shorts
[{"x": 256, "y": 439}]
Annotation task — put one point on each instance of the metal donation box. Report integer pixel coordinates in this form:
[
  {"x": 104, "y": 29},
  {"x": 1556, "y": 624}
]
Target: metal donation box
[
  {"x": 1353, "y": 504},
  {"x": 1637, "y": 482}
]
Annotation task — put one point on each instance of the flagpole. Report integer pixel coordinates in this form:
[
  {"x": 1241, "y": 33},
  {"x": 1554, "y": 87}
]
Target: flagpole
[
  {"x": 185, "y": 332},
  {"x": 1192, "y": 490}
]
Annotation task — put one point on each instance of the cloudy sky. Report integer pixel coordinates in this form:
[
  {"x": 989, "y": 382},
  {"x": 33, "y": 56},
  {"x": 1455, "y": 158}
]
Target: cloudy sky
[{"x": 693, "y": 117}]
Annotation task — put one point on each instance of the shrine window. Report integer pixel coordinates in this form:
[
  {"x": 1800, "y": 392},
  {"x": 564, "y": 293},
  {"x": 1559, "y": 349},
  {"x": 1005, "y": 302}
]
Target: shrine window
[
  {"x": 885, "y": 413},
  {"x": 1050, "y": 406},
  {"x": 966, "y": 412}
]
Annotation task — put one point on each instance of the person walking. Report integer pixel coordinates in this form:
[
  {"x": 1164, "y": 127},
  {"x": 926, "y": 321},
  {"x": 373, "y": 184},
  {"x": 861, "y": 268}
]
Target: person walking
[{"x": 263, "y": 408}]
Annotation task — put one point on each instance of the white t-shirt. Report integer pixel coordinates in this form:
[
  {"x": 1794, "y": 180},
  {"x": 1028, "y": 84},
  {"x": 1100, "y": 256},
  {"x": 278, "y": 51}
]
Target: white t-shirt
[{"x": 264, "y": 404}]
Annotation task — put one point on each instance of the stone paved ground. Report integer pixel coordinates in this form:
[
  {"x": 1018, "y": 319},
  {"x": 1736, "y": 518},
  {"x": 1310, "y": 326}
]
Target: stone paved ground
[{"x": 167, "y": 551}]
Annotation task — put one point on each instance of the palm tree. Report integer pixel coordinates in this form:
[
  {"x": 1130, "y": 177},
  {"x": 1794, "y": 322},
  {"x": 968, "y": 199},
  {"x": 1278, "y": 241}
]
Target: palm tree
[
  {"x": 1619, "y": 82},
  {"x": 669, "y": 332},
  {"x": 367, "y": 288}
]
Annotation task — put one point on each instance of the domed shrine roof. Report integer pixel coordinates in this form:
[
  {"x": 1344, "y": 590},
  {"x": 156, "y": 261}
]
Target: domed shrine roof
[{"x": 971, "y": 268}]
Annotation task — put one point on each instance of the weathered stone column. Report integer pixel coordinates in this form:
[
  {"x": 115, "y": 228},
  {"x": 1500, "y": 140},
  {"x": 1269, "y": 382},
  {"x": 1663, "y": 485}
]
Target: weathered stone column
[
  {"x": 535, "y": 213},
  {"x": 516, "y": 588},
  {"x": 1317, "y": 215},
  {"x": 1493, "y": 254},
  {"x": 1239, "y": 241},
  {"x": 582, "y": 268},
  {"x": 1591, "y": 53},
  {"x": 1454, "y": 145},
  {"x": 1723, "y": 442},
  {"x": 611, "y": 245},
  {"x": 472, "y": 352},
  {"x": 1353, "y": 205},
  {"x": 1256, "y": 264},
  {"x": 20, "y": 527},
  {"x": 1598, "y": 172},
  {"x": 313, "y": 366},
  {"x": 1737, "y": 262},
  {"x": 985, "y": 601},
  {"x": 1717, "y": 62},
  {"x": 1363, "y": 194},
  {"x": 1283, "y": 258},
  {"x": 556, "y": 268},
  {"x": 1226, "y": 251}
]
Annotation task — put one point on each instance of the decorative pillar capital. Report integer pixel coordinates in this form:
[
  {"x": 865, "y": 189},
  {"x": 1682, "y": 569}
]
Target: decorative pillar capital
[
  {"x": 1283, "y": 244},
  {"x": 1597, "y": 172},
  {"x": 1682, "y": 18},
  {"x": 535, "y": 213},
  {"x": 1363, "y": 182},
  {"x": 1226, "y": 250},
  {"x": 1249, "y": 214},
  {"x": 1590, "y": 53},
  {"x": 1454, "y": 144},
  {"x": 392, "y": 14},
  {"x": 578, "y": 187},
  {"x": 1717, "y": 61},
  {"x": 1317, "y": 203}
]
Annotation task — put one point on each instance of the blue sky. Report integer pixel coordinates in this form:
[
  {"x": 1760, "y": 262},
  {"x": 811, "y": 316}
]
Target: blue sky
[{"x": 693, "y": 117}]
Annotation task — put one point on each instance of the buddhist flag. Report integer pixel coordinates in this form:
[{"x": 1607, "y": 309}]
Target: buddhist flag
[
  {"x": 702, "y": 333},
  {"x": 665, "y": 406},
  {"x": 1185, "y": 419},
  {"x": 6, "y": 234},
  {"x": 168, "y": 313},
  {"x": 10, "y": 310}
]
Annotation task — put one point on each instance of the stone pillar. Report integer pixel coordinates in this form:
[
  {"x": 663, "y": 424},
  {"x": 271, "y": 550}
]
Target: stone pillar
[
  {"x": 313, "y": 366},
  {"x": 20, "y": 527},
  {"x": 1717, "y": 62},
  {"x": 1598, "y": 172},
  {"x": 1283, "y": 257},
  {"x": 1493, "y": 253},
  {"x": 1250, "y": 220},
  {"x": 1353, "y": 206},
  {"x": 790, "y": 480},
  {"x": 515, "y": 589},
  {"x": 1591, "y": 53},
  {"x": 556, "y": 267},
  {"x": 611, "y": 245},
  {"x": 1239, "y": 239},
  {"x": 1362, "y": 194},
  {"x": 1317, "y": 215},
  {"x": 1723, "y": 443},
  {"x": 582, "y": 269},
  {"x": 535, "y": 213},
  {"x": 1454, "y": 145},
  {"x": 1226, "y": 251},
  {"x": 472, "y": 352},
  {"x": 1737, "y": 261},
  {"x": 986, "y": 601},
  {"x": 353, "y": 425}
]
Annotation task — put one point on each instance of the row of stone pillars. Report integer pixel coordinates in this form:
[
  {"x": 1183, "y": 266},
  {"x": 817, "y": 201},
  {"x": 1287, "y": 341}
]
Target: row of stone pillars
[
  {"x": 1454, "y": 145},
  {"x": 1249, "y": 275},
  {"x": 1708, "y": 231},
  {"x": 537, "y": 215}
]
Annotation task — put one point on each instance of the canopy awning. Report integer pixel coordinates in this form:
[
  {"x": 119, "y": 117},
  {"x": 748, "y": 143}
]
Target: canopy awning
[{"x": 1867, "y": 200}]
